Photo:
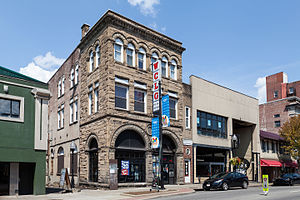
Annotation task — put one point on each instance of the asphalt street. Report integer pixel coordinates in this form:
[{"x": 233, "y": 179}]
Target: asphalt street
[{"x": 252, "y": 193}]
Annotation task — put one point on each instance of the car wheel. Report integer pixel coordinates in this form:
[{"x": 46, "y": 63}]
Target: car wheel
[
  {"x": 225, "y": 186},
  {"x": 245, "y": 185}
]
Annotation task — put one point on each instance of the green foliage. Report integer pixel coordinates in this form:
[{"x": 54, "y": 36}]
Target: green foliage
[{"x": 290, "y": 131}]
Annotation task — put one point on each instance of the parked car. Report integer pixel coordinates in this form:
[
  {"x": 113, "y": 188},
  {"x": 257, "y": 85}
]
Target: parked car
[
  {"x": 287, "y": 179},
  {"x": 226, "y": 180}
]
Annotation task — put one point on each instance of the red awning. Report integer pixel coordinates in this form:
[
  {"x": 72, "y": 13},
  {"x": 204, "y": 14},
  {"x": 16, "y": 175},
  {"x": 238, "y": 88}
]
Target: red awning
[
  {"x": 270, "y": 163},
  {"x": 291, "y": 164}
]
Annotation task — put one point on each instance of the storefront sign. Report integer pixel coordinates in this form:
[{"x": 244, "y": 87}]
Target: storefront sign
[
  {"x": 124, "y": 167},
  {"x": 265, "y": 184},
  {"x": 155, "y": 133},
  {"x": 165, "y": 111},
  {"x": 156, "y": 79}
]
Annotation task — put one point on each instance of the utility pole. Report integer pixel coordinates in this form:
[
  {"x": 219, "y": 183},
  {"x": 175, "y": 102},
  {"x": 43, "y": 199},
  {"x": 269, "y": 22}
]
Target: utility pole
[{"x": 160, "y": 139}]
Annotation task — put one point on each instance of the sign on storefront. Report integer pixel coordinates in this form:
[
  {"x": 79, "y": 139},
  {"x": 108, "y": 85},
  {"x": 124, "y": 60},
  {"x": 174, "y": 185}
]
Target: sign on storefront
[
  {"x": 155, "y": 132},
  {"x": 165, "y": 111},
  {"x": 265, "y": 184},
  {"x": 156, "y": 79},
  {"x": 125, "y": 167}
]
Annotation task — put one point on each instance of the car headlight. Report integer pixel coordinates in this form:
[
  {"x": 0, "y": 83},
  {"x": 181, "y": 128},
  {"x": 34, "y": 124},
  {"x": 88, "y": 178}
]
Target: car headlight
[{"x": 219, "y": 181}]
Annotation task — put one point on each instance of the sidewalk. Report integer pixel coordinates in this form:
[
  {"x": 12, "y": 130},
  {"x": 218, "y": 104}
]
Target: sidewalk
[{"x": 122, "y": 193}]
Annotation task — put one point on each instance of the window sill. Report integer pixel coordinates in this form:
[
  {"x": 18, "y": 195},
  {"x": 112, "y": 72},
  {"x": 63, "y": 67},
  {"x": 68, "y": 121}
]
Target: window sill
[
  {"x": 61, "y": 96},
  {"x": 74, "y": 86},
  {"x": 60, "y": 128},
  {"x": 139, "y": 113},
  {"x": 75, "y": 122},
  {"x": 121, "y": 109},
  {"x": 11, "y": 119},
  {"x": 118, "y": 62}
]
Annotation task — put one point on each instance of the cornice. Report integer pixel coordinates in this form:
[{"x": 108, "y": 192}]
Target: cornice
[{"x": 120, "y": 22}]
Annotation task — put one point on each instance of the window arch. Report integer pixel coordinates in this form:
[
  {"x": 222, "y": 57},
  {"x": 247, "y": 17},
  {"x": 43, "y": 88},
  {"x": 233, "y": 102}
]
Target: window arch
[
  {"x": 60, "y": 160},
  {"x": 97, "y": 55},
  {"x": 130, "y": 54},
  {"x": 164, "y": 67},
  {"x": 173, "y": 69},
  {"x": 142, "y": 58},
  {"x": 91, "y": 61},
  {"x": 118, "y": 50}
]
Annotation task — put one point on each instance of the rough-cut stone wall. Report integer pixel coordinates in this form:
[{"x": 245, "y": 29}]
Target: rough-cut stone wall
[{"x": 109, "y": 122}]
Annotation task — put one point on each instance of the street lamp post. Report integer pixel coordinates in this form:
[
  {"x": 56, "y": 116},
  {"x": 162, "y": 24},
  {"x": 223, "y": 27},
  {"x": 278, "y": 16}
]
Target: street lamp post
[{"x": 72, "y": 148}]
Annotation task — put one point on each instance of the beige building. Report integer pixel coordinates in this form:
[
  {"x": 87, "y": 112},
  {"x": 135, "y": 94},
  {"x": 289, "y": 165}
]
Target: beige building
[
  {"x": 219, "y": 113},
  {"x": 64, "y": 118}
]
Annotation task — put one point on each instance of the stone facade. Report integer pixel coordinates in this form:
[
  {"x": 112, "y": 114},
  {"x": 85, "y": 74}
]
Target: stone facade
[{"x": 109, "y": 122}]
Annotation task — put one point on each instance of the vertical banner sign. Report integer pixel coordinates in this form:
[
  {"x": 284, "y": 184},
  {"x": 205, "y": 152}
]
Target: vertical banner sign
[
  {"x": 165, "y": 111},
  {"x": 265, "y": 184},
  {"x": 155, "y": 133},
  {"x": 156, "y": 79},
  {"x": 125, "y": 167}
]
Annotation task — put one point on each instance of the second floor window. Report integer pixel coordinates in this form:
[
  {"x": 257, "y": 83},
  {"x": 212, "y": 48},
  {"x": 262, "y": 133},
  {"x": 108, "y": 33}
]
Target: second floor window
[
  {"x": 187, "y": 117},
  {"x": 277, "y": 124},
  {"x": 9, "y": 108},
  {"x": 90, "y": 100},
  {"x": 121, "y": 93},
  {"x": 96, "y": 97},
  {"x": 139, "y": 100},
  {"x": 173, "y": 108},
  {"x": 91, "y": 61},
  {"x": 60, "y": 117},
  {"x": 118, "y": 50},
  {"x": 130, "y": 54},
  {"x": 73, "y": 110},
  {"x": 263, "y": 146},
  {"x": 142, "y": 59}
]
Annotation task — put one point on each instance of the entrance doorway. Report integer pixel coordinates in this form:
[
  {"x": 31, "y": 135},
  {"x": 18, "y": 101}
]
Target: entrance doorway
[
  {"x": 93, "y": 160},
  {"x": 130, "y": 153},
  {"x": 4, "y": 178},
  {"x": 26, "y": 176}
]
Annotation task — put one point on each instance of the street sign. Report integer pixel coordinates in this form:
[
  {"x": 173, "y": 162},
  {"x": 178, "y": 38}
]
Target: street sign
[
  {"x": 165, "y": 111},
  {"x": 155, "y": 132},
  {"x": 265, "y": 184}
]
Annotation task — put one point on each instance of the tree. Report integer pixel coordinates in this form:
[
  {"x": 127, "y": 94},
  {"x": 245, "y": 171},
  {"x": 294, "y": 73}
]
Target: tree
[{"x": 290, "y": 131}]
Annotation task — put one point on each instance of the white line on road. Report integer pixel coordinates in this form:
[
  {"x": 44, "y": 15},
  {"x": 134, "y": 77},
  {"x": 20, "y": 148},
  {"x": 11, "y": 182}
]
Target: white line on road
[{"x": 295, "y": 191}]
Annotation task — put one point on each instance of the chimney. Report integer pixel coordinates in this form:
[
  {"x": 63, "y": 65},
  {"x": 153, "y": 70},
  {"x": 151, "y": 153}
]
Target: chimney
[{"x": 84, "y": 29}]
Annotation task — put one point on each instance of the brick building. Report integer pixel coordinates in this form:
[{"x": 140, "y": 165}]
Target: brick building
[
  {"x": 282, "y": 103},
  {"x": 113, "y": 109}
]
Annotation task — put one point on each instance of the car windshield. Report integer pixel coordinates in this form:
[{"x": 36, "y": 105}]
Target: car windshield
[
  {"x": 226, "y": 175},
  {"x": 217, "y": 175},
  {"x": 287, "y": 176}
]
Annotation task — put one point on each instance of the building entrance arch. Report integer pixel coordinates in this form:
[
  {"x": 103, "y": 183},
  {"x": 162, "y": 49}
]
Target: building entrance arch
[{"x": 130, "y": 153}]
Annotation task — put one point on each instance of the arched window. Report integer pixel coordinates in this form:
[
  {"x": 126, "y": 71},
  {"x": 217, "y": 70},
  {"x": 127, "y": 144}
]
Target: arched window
[
  {"x": 154, "y": 58},
  {"x": 97, "y": 55},
  {"x": 118, "y": 50},
  {"x": 142, "y": 59},
  {"x": 173, "y": 70},
  {"x": 130, "y": 55},
  {"x": 60, "y": 160},
  {"x": 164, "y": 67},
  {"x": 91, "y": 61}
]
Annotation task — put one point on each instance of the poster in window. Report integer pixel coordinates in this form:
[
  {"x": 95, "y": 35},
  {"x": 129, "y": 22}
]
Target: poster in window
[{"x": 124, "y": 167}]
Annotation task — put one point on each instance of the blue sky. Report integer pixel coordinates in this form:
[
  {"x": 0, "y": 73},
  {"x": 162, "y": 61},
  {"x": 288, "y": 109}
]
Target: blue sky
[{"x": 233, "y": 43}]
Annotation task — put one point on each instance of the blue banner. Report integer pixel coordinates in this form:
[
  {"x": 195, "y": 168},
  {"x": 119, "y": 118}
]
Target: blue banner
[
  {"x": 125, "y": 167},
  {"x": 165, "y": 111},
  {"x": 155, "y": 132}
]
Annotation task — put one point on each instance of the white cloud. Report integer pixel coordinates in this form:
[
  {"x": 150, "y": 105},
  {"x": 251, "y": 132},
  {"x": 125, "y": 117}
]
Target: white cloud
[
  {"x": 154, "y": 25},
  {"x": 48, "y": 60},
  {"x": 146, "y": 6},
  {"x": 43, "y": 67},
  {"x": 163, "y": 29},
  {"x": 261, "y": 89}
]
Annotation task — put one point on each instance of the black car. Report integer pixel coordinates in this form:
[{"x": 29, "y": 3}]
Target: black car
[
  {"x": 226, "y": 180},
  {"x": 287, "y": 179}
]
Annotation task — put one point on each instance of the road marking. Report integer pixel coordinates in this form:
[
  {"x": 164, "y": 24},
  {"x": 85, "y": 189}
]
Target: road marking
[{"x": 295, "y": 191}]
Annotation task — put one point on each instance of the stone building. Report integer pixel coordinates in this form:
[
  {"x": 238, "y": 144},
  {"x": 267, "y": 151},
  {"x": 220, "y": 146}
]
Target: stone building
[
  {"x": 116, "y": 101},
  {"x": 114, "y": 105}
]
